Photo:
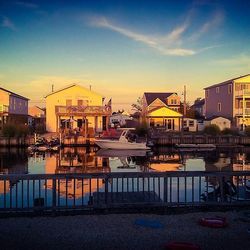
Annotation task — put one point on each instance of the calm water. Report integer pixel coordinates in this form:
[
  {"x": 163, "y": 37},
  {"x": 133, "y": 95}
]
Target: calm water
[{"x": 83, "y": 160}]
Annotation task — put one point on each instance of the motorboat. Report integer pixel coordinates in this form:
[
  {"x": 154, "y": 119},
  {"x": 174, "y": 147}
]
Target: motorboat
[{"x": 121, "y": 143}]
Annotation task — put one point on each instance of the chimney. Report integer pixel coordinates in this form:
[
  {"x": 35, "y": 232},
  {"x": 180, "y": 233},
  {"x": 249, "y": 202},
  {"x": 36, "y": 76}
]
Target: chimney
[{"x": 90, "y": 87}]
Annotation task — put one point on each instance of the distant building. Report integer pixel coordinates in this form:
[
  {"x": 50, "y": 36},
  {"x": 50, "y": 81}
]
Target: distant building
[
  {"x": 162, "y": 110},
  {"x": 36, "y": 119},
  {"x": 230, "y": 99},
  {"x": 199, "y": 108},
  {"x": 120, "y": 119},
  {"x": 220, "y": 121},
  {"x": 76, "y": 108},
  {"x": 190, "y": 124},
  {"x": 13, "y": 108}
]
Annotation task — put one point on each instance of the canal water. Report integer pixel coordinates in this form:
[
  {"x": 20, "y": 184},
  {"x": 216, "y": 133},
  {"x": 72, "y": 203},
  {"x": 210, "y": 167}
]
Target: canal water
[{"x": 91, "y": 160}]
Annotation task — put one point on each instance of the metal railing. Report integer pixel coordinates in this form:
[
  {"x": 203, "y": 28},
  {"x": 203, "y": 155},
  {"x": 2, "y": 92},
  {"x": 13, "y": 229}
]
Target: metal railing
[{"x": 116, "y": 190}]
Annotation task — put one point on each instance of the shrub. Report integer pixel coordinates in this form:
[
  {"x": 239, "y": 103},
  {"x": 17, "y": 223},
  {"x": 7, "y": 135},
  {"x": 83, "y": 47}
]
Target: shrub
[
  {"x": 141, "y": 130},
  {"x": 228, "y": 131},
  {"x": 212, "y": 129}
]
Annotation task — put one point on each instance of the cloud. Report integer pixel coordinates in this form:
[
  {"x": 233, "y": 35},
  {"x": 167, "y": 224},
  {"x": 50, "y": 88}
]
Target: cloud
[
  {"x": 168, "y": 44},
  {"x": 213, "y": 22},
  {"x": 242, "y": 60},
  {"x": 27, "y": 5},
  {"x": 7, "y": 23}
]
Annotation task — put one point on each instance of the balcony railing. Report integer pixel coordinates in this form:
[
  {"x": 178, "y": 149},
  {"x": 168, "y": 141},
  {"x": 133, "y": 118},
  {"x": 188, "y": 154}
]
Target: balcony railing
[
  {"x": 83, "y": 110},
  {"x": 240, "y": 93},
  {"x": 4, "y": 108},
  {"x": 240, "y": 112}
]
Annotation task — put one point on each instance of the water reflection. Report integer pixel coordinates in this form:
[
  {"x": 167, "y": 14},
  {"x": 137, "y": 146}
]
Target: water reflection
[{"x": 89, "y": 160}]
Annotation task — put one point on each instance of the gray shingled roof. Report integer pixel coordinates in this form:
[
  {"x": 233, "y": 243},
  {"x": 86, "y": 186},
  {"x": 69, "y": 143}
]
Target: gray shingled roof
[{"x": 150, "y": 96}]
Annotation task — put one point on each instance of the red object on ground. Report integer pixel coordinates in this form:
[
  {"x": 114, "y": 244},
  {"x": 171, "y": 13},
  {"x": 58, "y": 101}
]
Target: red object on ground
[
  {"x": 216, "y": 222},
  {"x": 181, "y": 246}
]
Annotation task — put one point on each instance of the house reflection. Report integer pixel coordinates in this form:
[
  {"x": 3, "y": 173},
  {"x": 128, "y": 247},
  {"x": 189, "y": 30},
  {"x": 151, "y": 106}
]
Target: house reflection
[
  {"x": 165, "y": 162},
  {"x": 76, "y": 160}
]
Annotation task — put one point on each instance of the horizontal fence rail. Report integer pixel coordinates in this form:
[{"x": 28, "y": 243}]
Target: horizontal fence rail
[{"x": 114, "y": 190}]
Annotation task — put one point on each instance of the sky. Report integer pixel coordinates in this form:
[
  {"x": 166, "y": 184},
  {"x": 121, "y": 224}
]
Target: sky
[{"x": 122, "y": 48}]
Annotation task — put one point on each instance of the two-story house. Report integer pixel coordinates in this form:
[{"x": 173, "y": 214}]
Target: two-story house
[
  {"x": 230, "y": 99},
  {"x": 162, "y": 110},
  {"x": 76, "y": 108},
  {"x": 13, "y": 108}
]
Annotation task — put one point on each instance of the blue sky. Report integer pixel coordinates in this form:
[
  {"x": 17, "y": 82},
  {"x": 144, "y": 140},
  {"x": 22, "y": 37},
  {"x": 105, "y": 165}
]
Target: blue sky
[{"x": 122, "y": 48}]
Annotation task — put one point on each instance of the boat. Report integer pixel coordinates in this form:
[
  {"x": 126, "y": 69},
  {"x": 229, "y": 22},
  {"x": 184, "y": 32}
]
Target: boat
[
  {"x": 196, "y": 146},
  {"x": 122, "y": 143}
]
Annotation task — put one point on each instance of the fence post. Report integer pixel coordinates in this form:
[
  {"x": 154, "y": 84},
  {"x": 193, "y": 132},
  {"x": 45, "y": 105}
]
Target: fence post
[
  {"x": 165, "y": 189},
  {"x": 54, "y": 194},
  {"x": 106, "y": 190}
]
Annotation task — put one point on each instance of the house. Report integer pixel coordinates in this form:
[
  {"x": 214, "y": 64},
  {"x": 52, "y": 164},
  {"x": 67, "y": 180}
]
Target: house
[
  {"x": 199, "y": 108},
  {"x": 36, "y": 118},
  {"x": 230, "y": 99},
  {"x": 76, "y": 108},
  {"x": 190, "y": 124},
  {"x": 13, "y": 108},
  {"x": 220, "y": 121},
  {"x": 119, "y": 118},
  {"x": 162, "y": 110}
]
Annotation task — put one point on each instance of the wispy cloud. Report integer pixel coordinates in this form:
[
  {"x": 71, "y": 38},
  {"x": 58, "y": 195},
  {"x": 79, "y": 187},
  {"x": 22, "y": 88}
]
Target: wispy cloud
[
  {"x": 242, "y": 60},
  {"x": 7, "y": 23},
  {"x": 27, "y": 5},
  {"x": 168, "y": 44},
  {"x": 215, "y": 20}
]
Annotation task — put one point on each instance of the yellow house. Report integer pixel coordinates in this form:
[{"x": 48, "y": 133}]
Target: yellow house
[
  {"x": 162, "y": 110},
  {"x": 76, "y": 108}
]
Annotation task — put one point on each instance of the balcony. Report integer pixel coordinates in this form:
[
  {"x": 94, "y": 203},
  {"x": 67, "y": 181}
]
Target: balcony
[
  {"x": 239, "y": 112},
  {"x": 241, "y": 93},
  {"x": 83, "y": 110},
  {"x": 4, "y": 109}
]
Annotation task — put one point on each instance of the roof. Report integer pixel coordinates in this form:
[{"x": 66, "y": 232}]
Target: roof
[
  {"x": 226, "y": 82},
  {"x": 198, "y": 103},
  {"x": 151, "y": 96},
  {"x": 214, "y": 117},
  {"x": 6, "y": 90},
  {"x": 67, "y": 87}
]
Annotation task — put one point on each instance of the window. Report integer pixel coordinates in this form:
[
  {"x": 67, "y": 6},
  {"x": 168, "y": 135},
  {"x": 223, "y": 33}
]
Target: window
[
  {"x": 68, "y": 102},
  {"x": 219, "y": 107},
  {"x": 191, "y": 123},
  {"x": 173, "y": 101},
  {"x": 230, "y": 89},
  {"x": 185, "y": 123},
  {"x": 217, "y": 90},
  {"x": 79, "y": 102}
]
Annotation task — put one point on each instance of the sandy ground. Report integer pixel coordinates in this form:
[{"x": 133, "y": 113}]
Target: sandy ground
[{"x": 119, "y": 231}]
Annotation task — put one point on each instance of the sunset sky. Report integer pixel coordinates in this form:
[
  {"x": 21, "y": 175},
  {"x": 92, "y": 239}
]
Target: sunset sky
[{"x": 122, "y": 48}]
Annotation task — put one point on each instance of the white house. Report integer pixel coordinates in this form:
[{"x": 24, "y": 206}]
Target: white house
[
  {"x": 220, "y": 121},
  {"x": 190, "y": 124}
]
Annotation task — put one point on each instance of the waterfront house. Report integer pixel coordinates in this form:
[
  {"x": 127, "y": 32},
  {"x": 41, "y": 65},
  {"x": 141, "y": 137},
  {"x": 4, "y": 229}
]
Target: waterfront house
[
  {"x": 199, "y": 108},
  {"x": 162, "y": 110},
  {"x": 76, "y": 108},
  {"x": 13, "y": 108},
  {"x": 36, "y": 118},
  {"x": 220, "y": 121},
  {"x": 230, "y": 99}
]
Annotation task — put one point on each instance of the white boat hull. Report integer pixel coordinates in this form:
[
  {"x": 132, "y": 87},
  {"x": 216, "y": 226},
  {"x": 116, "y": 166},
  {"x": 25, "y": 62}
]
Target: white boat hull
[{"x": 110, "y": 144}]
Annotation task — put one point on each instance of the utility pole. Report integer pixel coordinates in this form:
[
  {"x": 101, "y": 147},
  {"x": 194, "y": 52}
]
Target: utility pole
[{"x": 185, "y": 102}]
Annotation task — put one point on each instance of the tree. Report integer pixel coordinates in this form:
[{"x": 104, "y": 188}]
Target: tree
[{"x": 137, "y": 107}]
